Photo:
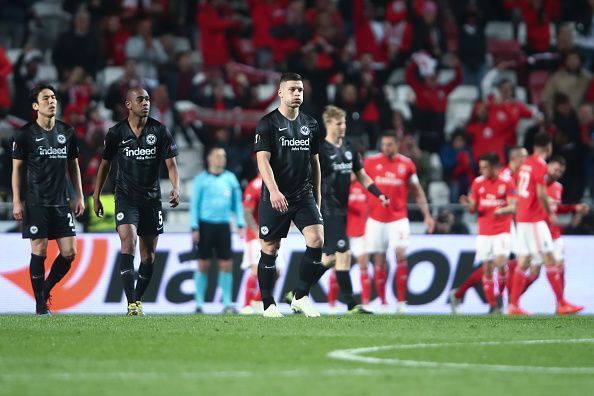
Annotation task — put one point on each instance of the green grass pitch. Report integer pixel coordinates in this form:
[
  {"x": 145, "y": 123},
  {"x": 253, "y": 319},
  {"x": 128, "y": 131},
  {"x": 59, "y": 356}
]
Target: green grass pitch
[{"x": 230, "y": 355}]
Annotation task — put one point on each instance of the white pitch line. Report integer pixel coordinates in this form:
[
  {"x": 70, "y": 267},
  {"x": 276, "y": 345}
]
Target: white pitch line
[{"x": 354, "y": 355}]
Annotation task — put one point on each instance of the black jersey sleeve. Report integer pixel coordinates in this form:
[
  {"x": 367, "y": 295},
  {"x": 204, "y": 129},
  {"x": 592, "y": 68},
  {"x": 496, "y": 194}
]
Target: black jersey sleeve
[
  {"x": 20, "y": 145},
  {"x": 111, "y": 145},
  {"x": 168, "y": 146},
  {"x": 357, "y": 162},
  {"x": 315, "y": 139},
  {"x": 263, "y": 138},
  {"x": 73, "y": 145}
]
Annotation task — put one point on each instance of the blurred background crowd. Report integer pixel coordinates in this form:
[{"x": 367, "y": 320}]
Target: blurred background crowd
[{"x": 453, "y": 78}]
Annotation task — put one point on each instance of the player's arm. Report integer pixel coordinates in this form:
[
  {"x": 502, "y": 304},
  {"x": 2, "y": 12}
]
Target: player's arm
[
  {"x": 250, "y": 220},
  {"x": 468, "y": 202},
  {"x": 171, "y": 164},
  {"x": 237, "y": 205},
  {"x": 102, "y": 173},
  {"x": 74, "y": 172},
  {"x": 368, "y": 183},
  {"x": 195, "y": 204},
  {"x": 277, "y": 199},
  {"x": 316, "y": 177},
  {"x": 510, "y": 208},
  {"x": 17, "y": 205},
  {"x": 541, "y": 194},
  {"x": 421, "y": 199}
]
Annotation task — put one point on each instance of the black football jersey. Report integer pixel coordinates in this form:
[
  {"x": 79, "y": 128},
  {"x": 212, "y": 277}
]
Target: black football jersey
[
  {"x": 291, "y": 144},
  {"x": 137, "y": 180},
  {"x": 337, "y": 163},
  {"x": 46, "y": 155}
]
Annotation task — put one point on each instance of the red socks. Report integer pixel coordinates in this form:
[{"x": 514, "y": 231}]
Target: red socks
[
  {"x": 489, "y": 289},
  {"x": 530, "y": 279},
  {"x": 518, "y": 283},
  {"x": 401, "y": 279},
  {"x": 365, "y": 287},
  {"x": 471, "y": 281},
  {"x": 511, "y": 268},
  {"x": 502, "y": 281},
  {"x": 555, "y": 276},
  {"x": 380, "y": 277},
  {"x": 332, "y": 289},
  {"x": 251, "y": 287}
]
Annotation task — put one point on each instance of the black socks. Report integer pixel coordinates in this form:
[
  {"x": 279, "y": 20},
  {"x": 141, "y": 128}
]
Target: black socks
[
  {"x": 307, "y": 272},
  {"x": 266, "y": 278},
  {"x": 145, "y": 272},
  {"x": 60, "y": 268},
  {"x": 37, "y": 276},
  {"x": 127, "y": 274},
  {"x": 346, "y": 287}
]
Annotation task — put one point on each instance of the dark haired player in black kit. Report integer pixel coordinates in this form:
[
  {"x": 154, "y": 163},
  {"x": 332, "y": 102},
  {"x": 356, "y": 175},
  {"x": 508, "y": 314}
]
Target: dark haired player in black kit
[
  {"x": 46, "y": 147},
  {"x": 337, "y": 160},
  {"x": 286, "y": 145},
  {"x": 140, "y": 144}
]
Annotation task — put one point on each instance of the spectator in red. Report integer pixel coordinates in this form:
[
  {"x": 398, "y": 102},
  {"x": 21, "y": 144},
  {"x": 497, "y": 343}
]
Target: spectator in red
[
  {"x": 431, "y": 99},
  {"x": 291, "y": 31},
  {"x": 114, "y": 41},
  {"x": 398, "y": 34},
  {"x": 482, "y": 135},
  {"x": 458, "y": 165},
  {"x": 5, "y": 70},
  {"x": 538, "y": 22},
  {"x": 264, "y": 14},
  {"x": 216, "y": 21},
  {"x": 77, "y": 89},
  {"x": 369, "y": 34}
]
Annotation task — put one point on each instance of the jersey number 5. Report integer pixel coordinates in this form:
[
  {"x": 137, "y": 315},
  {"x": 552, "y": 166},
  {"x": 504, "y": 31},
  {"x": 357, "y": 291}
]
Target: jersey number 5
[{"x": 523, "y": 184}]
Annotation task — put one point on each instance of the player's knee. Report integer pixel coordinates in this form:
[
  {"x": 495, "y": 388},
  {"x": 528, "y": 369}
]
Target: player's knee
[
  {"x": 316, "y": 241},
  {"x": 69, "y": 255},
  {"x": 148, "y": 258}
]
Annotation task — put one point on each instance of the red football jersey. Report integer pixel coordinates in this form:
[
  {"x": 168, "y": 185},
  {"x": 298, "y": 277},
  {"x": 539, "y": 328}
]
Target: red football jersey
[
  {"x": 251, "y": 199},
  {"x": 555, "y": 192},
  {"x": 532, "y": 173},
  {"x": 356, "y": 210},
  {"x": 392, "y": 176},
  {"x": 490, "y": 194}
]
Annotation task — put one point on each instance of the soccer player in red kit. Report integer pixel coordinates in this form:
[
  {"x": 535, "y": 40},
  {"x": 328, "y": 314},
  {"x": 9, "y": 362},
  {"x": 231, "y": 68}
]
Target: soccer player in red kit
[
  {"x": 516, "y": 157},
  {"x": 388, "y": 226},
  {"x": 492, "y": 197},
  {"x": 555, "y": 170},
  {"x": 356, "y": 218},
  {"x": 533, "y": 234}
]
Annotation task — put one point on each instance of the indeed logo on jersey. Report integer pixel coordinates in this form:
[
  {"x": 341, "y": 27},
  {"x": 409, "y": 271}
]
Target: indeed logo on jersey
[
  {"x": 141, "y": 153},
  {"x": 294, "y": 144},
  {"x": 343, "y": 167},
  {"x": 52, "y": 152}
]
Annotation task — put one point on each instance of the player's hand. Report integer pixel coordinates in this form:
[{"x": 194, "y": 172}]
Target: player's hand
[
  {"x": 174, "y": 198},
  {"x": 195, "y": 237},
  {"x": 582, "y": 208},
  {"x": 498, "y": 212},
  {"x": 553, "y": 219},
  {"x": 79, "y": 207},
  {"x": 241, "y": 232},
  {"x": 430, "y": 223},
  {"x": 464, "y": 200},
  {"x": 384, "y": 200},
  {"x": 279, "y": 202},
  {"x": 98, "y": 207},
  {"x": 17, "y": 210}
]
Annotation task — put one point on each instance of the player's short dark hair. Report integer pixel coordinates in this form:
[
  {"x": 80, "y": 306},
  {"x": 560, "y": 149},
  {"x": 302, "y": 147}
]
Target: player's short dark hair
[
  {"x": 390, "y": 134},
  {"x": 290, "y": 77},
  {"x": 558, "y": 159},
  {"x": 34, "y": 93},
  {"x": 213, "y": 148},
  {"x": 491, "y": 158},
  {"x": 542, "y": 139}
]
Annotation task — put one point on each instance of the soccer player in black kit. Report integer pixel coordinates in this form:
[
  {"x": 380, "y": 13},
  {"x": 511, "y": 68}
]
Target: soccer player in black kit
[
  {"x": 337, "y": 160},
  {"x": 140, "y": 144},
  {"x": 46, "y": 147},
  {"x": 287, "y": 145}
]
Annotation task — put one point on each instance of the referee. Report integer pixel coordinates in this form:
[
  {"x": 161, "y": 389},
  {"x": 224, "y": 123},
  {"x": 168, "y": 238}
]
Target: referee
[
  {"x": 139, "y": 144},
  {"x": 215, "y": 196},
  {"x": 45, "y": 148},
  {"x": 287, "y": 145}
]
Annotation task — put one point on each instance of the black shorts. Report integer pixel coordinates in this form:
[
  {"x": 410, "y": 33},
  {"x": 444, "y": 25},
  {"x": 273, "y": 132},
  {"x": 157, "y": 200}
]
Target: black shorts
[
  {"x": 275, "y": 225},
  {"x": 335, "y": 238},
  {"x": 214, "y": 237},
  {"x": 51, "y": 222},
  {"x": 148, "y": 218}
]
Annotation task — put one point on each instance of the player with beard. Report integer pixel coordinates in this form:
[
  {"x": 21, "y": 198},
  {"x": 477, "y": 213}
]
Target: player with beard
[
  {"x": 139, "y": 144},
  {"x": 287, "y": 150},
  {"x": 44, "y": 149}
]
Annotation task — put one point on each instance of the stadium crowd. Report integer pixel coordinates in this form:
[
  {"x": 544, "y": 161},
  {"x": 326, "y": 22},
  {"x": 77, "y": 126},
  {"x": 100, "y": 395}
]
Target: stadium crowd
[{"x": 454, "y": 79}]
